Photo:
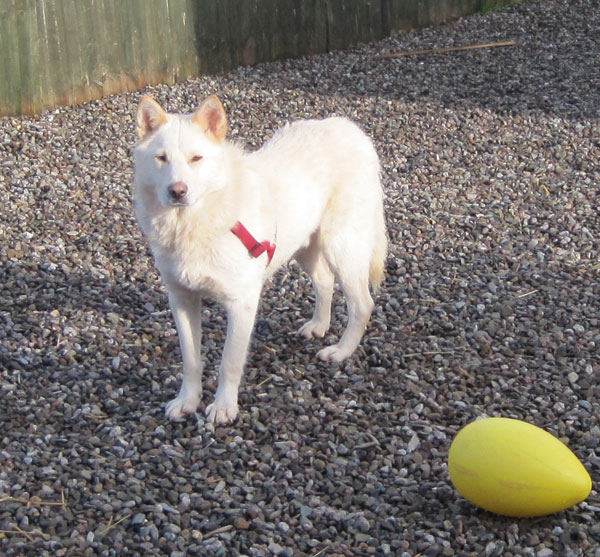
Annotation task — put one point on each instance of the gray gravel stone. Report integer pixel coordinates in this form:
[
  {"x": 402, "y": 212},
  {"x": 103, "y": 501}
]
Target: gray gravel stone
[{"x": 491, "y": 306}]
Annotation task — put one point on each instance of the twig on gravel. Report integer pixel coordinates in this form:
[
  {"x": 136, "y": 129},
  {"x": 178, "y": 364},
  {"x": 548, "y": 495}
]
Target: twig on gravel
[
  {"x": 218, "y": 531},
  {"x": 527, "y": 294},
  {"x": 265, "y": 381},
  {"x": 112, "y": 524},
  {"x": 445, "y": 50},
  {"x": 423, "y": 300},
  {"x": 36, "y": 501},
  {"x": 368, "y": 444},
  {"x": 432, "y": 352},
  {"x": 96, "y": 416},
  {"x": 16, "y": 530}
]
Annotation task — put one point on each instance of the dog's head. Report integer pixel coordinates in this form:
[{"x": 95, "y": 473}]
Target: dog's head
[{"x": 178, "y": 156}]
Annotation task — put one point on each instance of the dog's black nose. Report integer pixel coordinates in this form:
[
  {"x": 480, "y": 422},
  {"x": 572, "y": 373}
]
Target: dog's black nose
[{"x": 177, "y": 191}]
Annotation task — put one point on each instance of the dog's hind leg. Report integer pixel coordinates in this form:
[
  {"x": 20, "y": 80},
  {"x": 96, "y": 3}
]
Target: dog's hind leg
[
  {"x": 187, "y": 312},
  {"x": 312, "y": 262},
  {"x": 351, "y": 268},
  {"x": 240, "y": 321},
  {"x": 360, "y": 305}
]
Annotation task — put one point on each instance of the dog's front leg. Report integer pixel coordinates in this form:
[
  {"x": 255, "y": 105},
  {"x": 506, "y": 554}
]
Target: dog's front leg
[
  {"x": 187, "y": 312},
  {"x": 240, "y": 321}
]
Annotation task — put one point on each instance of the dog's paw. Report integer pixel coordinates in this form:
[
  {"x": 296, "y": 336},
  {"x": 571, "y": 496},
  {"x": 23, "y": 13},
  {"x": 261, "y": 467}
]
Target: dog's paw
[
  {"x": 314, "y": 328},
  {"x": 182, "y": 405},
  {"x": 221, "y": 412},
  {"x": 334, "y": 353}
]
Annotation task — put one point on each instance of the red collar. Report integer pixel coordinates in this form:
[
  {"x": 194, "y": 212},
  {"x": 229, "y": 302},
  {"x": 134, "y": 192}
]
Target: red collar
[{"x": 255, "y": 248}]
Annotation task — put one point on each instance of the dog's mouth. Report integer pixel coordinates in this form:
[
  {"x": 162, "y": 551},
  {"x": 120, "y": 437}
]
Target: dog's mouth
[{"x": 181, "y": 203}]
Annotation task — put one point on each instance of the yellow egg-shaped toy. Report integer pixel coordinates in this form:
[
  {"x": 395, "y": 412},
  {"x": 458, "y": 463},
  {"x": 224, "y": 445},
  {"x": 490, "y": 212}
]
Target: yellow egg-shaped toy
[{"x": 513, "y": 468}]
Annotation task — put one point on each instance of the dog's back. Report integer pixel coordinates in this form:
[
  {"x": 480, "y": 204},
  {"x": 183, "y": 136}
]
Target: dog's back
[{"x": 325, "y": 178}]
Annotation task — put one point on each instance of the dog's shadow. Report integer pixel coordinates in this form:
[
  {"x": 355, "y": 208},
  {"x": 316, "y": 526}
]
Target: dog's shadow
[
  {"x": 45, "y": 308},
  {"x": 74, "y": 324}
]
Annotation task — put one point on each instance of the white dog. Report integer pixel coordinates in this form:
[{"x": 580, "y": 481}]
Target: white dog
[{"x": 220, "y": 221}]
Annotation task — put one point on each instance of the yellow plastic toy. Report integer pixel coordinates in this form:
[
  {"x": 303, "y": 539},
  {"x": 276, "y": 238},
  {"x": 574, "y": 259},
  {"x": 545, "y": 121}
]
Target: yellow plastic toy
[{"x": 513, "y": 468}]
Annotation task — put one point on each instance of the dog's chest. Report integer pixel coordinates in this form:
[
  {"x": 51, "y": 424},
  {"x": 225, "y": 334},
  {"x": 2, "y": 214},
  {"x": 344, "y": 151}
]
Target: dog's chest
[{"x": 196, "y": 272}]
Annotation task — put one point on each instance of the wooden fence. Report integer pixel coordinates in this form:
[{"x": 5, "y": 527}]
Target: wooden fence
[{"x": 57, "y": 52}]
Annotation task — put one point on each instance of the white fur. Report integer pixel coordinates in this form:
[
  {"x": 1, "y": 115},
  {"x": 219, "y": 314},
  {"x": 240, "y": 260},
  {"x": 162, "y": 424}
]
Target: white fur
[{"x": 313, "y": 190}]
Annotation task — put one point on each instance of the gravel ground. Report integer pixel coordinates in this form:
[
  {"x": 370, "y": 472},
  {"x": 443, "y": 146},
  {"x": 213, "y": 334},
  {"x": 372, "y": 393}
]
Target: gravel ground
[{"x": 491, "y": 306}]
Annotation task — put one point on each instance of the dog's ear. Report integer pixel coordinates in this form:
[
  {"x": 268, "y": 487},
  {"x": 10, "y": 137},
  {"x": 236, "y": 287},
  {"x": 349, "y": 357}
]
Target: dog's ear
[
  {"x": 211, "y": 118},
  {"x": 150, "y": 116}
]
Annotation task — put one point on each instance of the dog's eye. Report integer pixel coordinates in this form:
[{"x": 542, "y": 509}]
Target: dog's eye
[
  {"x": 162, "y": 158},
  {"x": 195, "y": 158}
]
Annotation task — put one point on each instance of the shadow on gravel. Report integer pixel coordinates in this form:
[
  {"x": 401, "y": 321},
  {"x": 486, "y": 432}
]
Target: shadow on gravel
[{"x": 58, "y": 318}]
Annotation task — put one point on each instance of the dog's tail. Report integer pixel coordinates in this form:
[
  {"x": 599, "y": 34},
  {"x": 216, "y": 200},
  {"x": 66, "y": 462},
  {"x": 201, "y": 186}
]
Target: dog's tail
[{"x": 377, "y": 269}]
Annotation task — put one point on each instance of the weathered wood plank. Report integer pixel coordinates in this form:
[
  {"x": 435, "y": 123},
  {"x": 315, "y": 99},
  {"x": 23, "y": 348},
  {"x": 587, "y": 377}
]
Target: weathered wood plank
[{"x": 68, "y": 51}]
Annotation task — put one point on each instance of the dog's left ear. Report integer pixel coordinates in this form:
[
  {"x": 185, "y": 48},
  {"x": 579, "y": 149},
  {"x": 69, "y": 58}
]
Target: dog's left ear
[{"x": 211, "y": 118}]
